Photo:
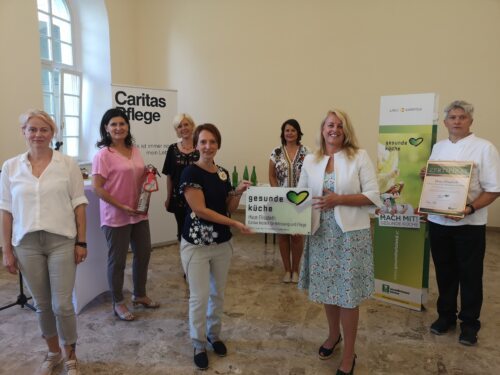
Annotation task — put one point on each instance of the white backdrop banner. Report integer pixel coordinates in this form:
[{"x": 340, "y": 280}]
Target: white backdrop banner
[{"x": 151, "y": 112}]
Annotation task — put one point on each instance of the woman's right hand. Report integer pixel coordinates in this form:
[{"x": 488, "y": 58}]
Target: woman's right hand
[
  {"x": 9, "y": 261},
  {"x": 243, "y": 228},
  {"x": 130, "y": 211}
]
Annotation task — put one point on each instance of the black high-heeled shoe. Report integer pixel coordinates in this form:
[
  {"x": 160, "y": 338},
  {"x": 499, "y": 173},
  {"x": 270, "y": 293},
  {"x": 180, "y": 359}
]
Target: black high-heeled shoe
[
  {"x": 340, "y": 372},
  {"x": 325, "y": 353}
]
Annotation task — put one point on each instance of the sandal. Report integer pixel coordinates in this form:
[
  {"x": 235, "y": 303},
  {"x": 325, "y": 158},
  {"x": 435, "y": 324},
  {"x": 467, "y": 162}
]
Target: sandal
[
  {"x": 126, "y": 316},
  {"x": 146, "y": 302},
  {"x": 325, "y": 353}
]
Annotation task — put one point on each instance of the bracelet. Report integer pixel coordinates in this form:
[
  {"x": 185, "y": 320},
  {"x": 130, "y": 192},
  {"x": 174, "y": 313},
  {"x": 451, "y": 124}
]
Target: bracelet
[
  {"x": 235, "y": 194},
  {"x": 81, "y": 244},
  {"x": 472, "y": 209}
]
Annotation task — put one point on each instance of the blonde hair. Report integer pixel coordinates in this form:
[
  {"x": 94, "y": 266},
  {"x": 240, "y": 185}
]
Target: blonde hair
[
  {"x": 40, "y": 115},
  {"x": 350, "y": 145},
  {"x": 181, "y": 116}
]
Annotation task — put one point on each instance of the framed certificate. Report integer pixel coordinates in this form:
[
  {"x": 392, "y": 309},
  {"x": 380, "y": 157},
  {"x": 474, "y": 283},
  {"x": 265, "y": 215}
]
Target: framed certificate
[{"x": 446, "y": 184}]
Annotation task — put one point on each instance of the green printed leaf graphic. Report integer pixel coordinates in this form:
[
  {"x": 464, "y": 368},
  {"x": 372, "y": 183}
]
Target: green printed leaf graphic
[
  {"x": 416, "y": 141},
  {"x": 297, "y": 198}
]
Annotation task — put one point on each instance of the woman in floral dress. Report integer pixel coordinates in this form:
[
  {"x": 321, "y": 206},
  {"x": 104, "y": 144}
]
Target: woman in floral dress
[
  {"x": 284, "y": 171},
  {"x": 337, "y": 270},
  {"x": 206, "y": 248}
]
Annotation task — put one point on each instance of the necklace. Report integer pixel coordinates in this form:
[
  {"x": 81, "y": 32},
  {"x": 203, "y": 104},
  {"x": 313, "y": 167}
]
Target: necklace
[{"x": 188, "y": 147}]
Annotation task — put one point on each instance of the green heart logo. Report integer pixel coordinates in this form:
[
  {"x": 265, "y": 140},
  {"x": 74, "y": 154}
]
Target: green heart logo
[
  {"x": 297, "y": 198},
  {"x": 416, "y": 141}
]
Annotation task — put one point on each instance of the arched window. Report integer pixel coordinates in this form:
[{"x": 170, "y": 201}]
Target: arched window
[{"x": 61, "y": 80}]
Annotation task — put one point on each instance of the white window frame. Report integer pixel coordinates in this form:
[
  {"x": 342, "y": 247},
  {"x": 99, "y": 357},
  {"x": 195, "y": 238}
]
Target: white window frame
[{"x": 59, "y": 112}]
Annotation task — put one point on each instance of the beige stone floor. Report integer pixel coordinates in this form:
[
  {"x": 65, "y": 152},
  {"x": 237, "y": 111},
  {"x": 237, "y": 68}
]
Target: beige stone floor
[{"x": 269, "y": 327}]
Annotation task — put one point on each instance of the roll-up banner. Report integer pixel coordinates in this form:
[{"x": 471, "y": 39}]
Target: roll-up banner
[
  {"x": 151, "y": 112},
  {"x": 407, "y": 132}
]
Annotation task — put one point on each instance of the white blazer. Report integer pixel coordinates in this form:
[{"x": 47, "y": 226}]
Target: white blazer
[{"x": 352, "y": 176}]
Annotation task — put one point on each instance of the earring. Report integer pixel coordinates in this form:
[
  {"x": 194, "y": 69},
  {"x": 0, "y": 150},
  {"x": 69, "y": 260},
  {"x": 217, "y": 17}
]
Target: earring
[{"x": 108, "y": 135}]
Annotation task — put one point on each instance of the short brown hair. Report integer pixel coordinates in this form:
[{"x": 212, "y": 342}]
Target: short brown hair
[{"x": 209, "y": 128}]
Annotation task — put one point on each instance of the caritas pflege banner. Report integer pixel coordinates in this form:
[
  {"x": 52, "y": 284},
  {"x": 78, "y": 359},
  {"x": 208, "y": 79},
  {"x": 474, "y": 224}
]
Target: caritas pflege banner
[{"x": 151, "y": 112}]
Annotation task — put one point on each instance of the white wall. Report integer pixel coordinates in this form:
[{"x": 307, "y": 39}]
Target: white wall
[
  {"x": 248, "y": 65},
  {"x": 20, "y": 71},
  {"x": 94, "y": 45}
]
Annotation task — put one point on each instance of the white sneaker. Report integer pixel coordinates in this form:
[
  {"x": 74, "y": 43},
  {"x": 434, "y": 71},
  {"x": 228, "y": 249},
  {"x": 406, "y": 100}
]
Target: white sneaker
[
  {"x": 71, "y": 367},
  {"x": 287, "y": 278},
  {"x": 49, "y": 363},
  {"x": 295, "y": 278}
]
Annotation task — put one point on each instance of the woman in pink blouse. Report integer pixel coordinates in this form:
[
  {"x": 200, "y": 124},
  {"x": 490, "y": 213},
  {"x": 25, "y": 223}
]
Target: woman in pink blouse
[{"x": 118, "y": 172}]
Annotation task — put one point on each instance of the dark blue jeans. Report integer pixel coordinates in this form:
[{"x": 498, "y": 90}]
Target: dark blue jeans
[{"x": 458, "y": 255}]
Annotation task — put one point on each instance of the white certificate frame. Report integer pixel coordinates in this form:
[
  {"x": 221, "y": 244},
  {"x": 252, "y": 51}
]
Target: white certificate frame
[{"x": 445, "y": 188}]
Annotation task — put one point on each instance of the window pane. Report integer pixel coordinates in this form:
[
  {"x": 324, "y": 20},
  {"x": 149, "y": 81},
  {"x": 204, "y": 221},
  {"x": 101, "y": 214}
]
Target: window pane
[
  {"x": 71, "y": 126},
  {"x": 67, "y": 54},
  {"x": 43, "y": 24},
  {"x": 71, "y": 105},
  {"x": 70, "y": 146},
  {"x": 61, "y": 30},
  {"x": 43, "y": 5},
  {"x": 45, "y": 48},
  {"x": 60, "y": 9},
  {"x": 48, "y": 103},
  {"x": 56, "y": 51},
  {"x": 71, "y": 84},
  {"x": 46, "y": 81}
]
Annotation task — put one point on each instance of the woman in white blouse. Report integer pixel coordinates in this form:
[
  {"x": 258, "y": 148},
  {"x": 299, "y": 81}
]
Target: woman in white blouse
[{"x": 42, "y": 206}]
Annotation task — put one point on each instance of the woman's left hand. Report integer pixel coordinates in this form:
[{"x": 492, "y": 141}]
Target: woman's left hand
[
  {"x": 80, "y": 254},
  {"x": 243, "y": 186},
  {"x": 328, "y": 201}
]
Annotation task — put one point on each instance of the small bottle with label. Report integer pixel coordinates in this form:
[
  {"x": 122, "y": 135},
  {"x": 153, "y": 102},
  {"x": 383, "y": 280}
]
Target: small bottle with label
[{"x": 149, "y": 185}]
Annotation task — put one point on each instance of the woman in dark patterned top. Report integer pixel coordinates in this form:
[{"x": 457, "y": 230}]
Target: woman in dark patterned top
[
  {"x": 179, "y": 155},
  {"x": 206, "y": 249},
  {"x": 284, "y": 171}
]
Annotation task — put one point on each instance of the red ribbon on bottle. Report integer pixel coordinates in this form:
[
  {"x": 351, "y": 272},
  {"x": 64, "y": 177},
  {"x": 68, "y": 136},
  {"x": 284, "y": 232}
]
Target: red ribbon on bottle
[{"x": 150, "y": 183}]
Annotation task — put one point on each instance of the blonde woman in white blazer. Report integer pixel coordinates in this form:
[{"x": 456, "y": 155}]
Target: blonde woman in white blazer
[{"x": 337, "y": 269}]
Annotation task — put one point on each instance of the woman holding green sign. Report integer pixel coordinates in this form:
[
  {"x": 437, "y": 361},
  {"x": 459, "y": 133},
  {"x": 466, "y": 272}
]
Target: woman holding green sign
[
  {"x": 206, "y": 247},
  {"x": 337, "y": 269},
  {"x": 284, "y": 171}
]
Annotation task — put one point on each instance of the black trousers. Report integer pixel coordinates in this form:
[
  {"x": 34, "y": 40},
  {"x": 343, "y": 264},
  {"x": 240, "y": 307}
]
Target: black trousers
[
  {"x": 458, "y": 255},
  {"x": 180, "y": 217}
]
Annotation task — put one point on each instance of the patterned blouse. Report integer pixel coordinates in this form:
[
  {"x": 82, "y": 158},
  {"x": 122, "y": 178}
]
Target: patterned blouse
[
  {"x": 215, "y": 187},
  {"x": 287, "y": 170}
]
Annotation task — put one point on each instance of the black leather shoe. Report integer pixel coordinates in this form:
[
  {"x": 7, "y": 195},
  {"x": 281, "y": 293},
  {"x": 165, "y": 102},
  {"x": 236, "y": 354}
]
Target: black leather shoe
[
  {"x": 468, "y": 336},
  {"x": 340, "y": 372},
  {"x": 201, "y": 360},
  {"x": 442, "y": 325},
  {"x": 325, "y": 353},
  {"x": 219, "y": 347}
]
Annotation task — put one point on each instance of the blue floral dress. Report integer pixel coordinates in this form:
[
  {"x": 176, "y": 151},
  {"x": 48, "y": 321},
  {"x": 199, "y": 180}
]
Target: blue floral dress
[{"x": 337, "y": 267}]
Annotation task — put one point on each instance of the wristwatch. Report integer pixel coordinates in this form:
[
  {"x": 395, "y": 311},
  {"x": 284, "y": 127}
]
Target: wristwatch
[
  {"x": 81, "y": 244},
  {"x": 472, "y": 209}
]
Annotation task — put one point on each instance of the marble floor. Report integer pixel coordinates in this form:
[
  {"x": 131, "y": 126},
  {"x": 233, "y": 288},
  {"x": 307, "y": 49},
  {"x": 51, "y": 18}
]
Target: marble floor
[{"x": 269, "y": 327}]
